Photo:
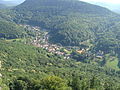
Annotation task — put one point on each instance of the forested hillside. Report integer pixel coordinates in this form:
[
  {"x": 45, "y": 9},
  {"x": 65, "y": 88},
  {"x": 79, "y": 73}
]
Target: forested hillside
[
  {"x": 26, "y": 67},
  {"x": 59, "y": 45},
  {"x": 74, "y": 23},
  {"x": 70, "y": 22}
]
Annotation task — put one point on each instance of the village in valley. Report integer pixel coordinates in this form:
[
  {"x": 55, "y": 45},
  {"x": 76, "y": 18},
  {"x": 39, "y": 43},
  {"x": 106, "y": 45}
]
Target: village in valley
[{"x": 41, "y": 40}]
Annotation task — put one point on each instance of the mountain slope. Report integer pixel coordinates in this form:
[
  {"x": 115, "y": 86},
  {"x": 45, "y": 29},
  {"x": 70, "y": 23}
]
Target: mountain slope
[
  {"x": 73, "y": 23},
  {"x": 70, "y": 22}
]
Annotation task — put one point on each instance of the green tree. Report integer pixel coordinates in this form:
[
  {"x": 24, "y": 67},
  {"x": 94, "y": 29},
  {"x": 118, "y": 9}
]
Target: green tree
[
  {"x": 54, "y": 83},
  {"x": 76, "y": 83}
]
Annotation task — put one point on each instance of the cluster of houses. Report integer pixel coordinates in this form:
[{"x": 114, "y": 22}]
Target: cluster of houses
[
  {"x": 41, "y": 40},
  {"x": 51, "y": 48}
]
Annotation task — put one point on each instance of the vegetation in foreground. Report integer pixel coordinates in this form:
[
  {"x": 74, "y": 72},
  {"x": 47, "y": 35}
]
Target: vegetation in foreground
[{"x": 26, "y": 67}]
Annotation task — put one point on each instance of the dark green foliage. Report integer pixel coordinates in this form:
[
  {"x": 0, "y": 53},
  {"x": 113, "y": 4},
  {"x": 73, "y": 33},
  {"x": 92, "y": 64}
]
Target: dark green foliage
[
  {"x": 22, "y": 83},
  {"x": 78, "y": 56},
  {"x": 76, "y": 83},
  {"x": 11, "y": 31}
]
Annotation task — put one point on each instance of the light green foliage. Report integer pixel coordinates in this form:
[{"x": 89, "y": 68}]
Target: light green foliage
[
  {"x": 28, "y": 61},
  {"x": 54, "y": 83},
  {"x": 112, "y": 62}
]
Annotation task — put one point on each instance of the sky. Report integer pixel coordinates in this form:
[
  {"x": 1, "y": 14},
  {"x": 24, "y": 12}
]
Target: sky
[
  {"x": 103, "y": 1},
  {"x": 110, "y": 4},
  {"x": 12, "y": 1},
  {"x": 16, "y": 1}
]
